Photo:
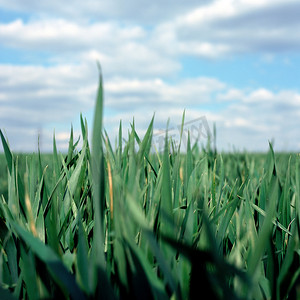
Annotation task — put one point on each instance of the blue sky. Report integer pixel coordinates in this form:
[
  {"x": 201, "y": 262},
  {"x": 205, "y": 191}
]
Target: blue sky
[{"x": 234, "y": 62}]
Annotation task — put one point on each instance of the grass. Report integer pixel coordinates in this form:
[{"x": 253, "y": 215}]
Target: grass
[{"x": 126, "y": 223}]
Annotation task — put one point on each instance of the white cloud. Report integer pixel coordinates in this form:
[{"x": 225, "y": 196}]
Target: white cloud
[
  {"x": 154, "y": 94},
  {"x": 63, "y": 35},
  {"x": 121, "y": 49},
  {"x": 57, "y": 95},
  {"x": 261, "y": 115},
  {"x": 260, "y": 95},
  {"x": 214, "y": 29},
  {"x": 228, "y": 27},
  {"x": 35, "y": 97}
]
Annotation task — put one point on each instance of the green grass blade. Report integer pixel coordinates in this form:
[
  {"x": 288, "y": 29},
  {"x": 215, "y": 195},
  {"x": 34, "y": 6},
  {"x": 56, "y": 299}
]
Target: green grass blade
[
  {"x": 59, "y": 272},
  {"x": 264, "y": 234},
  {"x": 146, "y": 142},
  {"x": 82, "y": 261},
  {"x": 71, "y": 147},
  {"x": 99, "y": 278},
  {"x": 166, "y": 205},
  {"x": 7, "y": 152},
  {"x": 29, "y": 275},
  {"x": 189, "y": 162}
]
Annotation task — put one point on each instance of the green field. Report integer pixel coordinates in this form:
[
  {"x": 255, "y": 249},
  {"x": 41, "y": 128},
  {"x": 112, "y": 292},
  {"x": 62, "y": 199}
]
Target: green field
[{"x": 127, "y": 223}]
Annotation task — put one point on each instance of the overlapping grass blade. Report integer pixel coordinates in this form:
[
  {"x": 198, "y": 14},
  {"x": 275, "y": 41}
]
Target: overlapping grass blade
[{"x": 60, "y": 274}]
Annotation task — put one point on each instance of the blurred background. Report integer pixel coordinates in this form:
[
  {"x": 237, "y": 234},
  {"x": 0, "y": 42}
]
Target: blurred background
[{"x": 233, "y": 63}]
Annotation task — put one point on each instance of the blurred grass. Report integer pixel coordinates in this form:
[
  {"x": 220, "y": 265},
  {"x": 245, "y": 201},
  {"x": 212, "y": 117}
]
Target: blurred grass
[{"x": 125, "y": 222}]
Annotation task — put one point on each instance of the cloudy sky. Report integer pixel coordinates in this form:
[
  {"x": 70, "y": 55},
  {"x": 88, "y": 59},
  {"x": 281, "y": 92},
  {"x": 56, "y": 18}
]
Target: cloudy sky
[{"x": 235, "y": 63}]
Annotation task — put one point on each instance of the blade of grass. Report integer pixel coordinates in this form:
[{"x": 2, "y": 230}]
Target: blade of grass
[
  {"x": 7, "y": 152},
  {"x": 99, "y": 277},
  {"x": 59, "y": 272},
  {"x": 166, "y": 205}
]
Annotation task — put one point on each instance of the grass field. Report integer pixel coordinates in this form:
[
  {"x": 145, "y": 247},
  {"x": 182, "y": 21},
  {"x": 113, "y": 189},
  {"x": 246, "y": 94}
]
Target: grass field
[{"x": 127, "y": 223}]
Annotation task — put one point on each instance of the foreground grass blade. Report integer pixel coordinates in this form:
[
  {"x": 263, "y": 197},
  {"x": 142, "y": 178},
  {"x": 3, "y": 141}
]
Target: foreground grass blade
[
  {"x": 60, "y": 274},
  {"x": 97, "y": 167},
  {"x": 99, "y": 280}
]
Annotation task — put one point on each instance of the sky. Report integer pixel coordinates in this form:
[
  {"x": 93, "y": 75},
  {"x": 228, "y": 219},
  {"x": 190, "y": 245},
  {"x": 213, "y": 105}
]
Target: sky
[{"x": 232, "y": 63}]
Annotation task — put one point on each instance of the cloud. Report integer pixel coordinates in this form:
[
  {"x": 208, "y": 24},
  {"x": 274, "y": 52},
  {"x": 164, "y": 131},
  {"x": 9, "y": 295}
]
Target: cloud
[
  {"x": 121, "y": 49},
  {"x": 56, "y": 35},
  {"x": 228, "y": 27},
  {"x": 211, "y": 30},
  {"x": 216, "y": 29},
  {"x": 258, "y": 116},
  {"x": 125, "y": 94},
  {"x": 33, "y": 98}
]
